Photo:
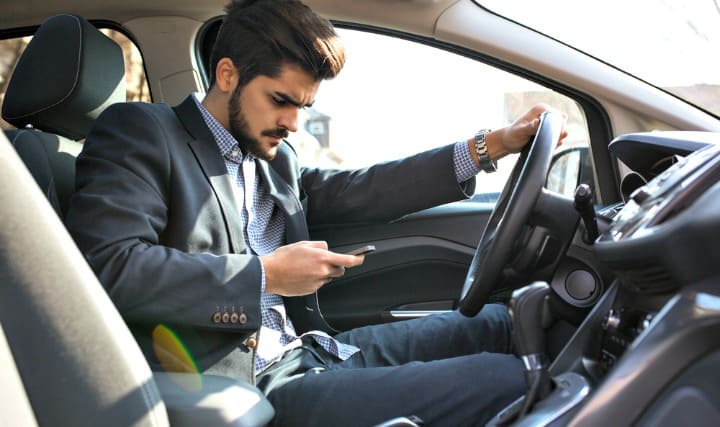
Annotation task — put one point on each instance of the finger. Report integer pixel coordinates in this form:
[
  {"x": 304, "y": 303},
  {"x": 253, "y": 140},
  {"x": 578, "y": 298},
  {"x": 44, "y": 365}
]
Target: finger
[
  {"x": 338, "y": 271},
  {"x": 342, "y": 260},
  {"x": 538, "y": 109},
  {"x": 532, "y": 126}
]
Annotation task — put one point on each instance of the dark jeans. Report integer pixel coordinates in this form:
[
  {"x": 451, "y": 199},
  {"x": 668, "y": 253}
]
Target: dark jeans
[{"x": 448, "y": 370}]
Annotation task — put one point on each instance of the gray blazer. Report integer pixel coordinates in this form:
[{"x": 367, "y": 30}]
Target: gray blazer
[{"x": 155, "y": 216}]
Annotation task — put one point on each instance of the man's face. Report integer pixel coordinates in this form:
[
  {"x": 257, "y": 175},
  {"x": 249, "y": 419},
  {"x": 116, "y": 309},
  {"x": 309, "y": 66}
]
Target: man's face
[{"x": 262, "y": 112}]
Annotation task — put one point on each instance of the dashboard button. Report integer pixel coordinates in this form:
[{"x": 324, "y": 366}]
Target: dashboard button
[{"x": 640, "y": 195}]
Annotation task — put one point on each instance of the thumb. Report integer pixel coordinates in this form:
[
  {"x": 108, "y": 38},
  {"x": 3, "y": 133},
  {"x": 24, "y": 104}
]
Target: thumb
[{"x": 533, "y": 125}]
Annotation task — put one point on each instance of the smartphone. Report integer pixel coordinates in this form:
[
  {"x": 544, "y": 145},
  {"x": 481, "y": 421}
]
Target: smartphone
[{"x": 362, "y": 250}]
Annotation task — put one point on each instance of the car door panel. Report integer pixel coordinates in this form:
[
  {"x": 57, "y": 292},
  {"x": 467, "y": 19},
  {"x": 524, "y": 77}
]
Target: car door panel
[{"x": 419, "y": 265}]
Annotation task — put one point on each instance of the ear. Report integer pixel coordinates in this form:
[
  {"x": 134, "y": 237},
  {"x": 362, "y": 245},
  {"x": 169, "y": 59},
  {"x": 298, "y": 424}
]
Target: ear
[{"x": 226, "y": 75}]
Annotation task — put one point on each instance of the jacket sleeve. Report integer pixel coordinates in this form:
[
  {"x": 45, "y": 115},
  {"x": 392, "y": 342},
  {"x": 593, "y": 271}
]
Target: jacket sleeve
[
  {"x": 118, "y": 217},
  {"x": 385, "y": 191}
]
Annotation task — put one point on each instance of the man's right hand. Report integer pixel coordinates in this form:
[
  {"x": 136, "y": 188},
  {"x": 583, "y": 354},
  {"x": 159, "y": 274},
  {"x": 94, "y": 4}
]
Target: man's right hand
[{"x": 302, "y": 268}]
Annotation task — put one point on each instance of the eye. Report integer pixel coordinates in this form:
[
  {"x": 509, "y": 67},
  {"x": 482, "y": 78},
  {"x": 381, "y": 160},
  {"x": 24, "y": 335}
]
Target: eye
[{"x": 279, "y": 101}]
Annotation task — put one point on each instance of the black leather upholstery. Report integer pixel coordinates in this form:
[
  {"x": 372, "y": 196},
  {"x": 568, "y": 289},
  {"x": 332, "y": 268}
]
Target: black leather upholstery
[
  {"x": 51, "y": 161},
  {"x": 69, "y": 73}
]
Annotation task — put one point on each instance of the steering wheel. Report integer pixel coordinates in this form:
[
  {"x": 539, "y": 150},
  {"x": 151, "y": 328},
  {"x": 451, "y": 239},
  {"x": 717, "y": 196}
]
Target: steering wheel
[{"x": 512, "y": 211}]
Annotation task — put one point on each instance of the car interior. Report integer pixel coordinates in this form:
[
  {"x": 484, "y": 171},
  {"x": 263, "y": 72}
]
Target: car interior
[{"x": 613, "y": 292}]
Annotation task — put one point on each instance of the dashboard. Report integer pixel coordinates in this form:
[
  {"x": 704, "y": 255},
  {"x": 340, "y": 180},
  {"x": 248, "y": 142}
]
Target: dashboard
[
  {"x": 648, "y": 352},
  {"x": 663, "y": 238}
]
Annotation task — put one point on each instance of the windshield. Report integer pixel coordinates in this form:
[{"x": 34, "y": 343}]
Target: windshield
[{"x": 671, "y": 44}]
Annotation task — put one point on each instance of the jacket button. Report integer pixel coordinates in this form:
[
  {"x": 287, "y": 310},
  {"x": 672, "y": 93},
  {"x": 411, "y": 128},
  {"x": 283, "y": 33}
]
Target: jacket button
[
  {"x": 217, "y": 317},
  {"x": 251, "y": 343}
]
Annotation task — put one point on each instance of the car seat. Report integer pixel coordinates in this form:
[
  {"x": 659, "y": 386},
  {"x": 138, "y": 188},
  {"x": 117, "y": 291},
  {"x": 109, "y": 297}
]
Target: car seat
[
  {"x": 66, "y": 356},
  {"x": 68, "y": 74}
]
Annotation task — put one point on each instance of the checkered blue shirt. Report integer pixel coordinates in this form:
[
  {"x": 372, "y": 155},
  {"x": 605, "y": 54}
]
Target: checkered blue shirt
[{"x": 264, "y": 231}]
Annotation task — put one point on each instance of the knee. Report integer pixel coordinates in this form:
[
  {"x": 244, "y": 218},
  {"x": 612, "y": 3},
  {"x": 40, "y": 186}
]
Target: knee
[
  {"x": 496, "y": 315},
  {"x": 493, "y": 327},
  {"x": 499, "y": 310}
]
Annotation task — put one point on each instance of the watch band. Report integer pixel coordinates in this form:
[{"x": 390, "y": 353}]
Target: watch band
[{"x": 486, "y": 164}]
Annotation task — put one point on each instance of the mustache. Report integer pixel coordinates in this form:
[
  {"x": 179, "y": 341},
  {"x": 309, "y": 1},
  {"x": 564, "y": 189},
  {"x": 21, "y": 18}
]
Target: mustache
[{"x": 276, "y": 133}]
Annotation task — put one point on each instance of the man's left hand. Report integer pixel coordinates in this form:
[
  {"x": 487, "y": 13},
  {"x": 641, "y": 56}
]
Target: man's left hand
[{"x": 512, "y": 138}]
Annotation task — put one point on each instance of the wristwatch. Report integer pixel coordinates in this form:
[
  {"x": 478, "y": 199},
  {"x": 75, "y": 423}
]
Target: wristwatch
[{"x": 486, "y": 164}]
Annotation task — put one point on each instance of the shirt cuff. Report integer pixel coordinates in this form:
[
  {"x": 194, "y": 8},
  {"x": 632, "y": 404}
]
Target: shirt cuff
[
  {"x": 262, "y": 277},
  {"x": 465, "y": 168}
]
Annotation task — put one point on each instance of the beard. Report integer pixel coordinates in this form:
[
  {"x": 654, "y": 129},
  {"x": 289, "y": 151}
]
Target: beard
[{"x": 240, "y": 130}]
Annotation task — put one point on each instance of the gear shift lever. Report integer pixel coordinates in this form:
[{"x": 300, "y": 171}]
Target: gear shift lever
[{"x": 529, "y": 312}]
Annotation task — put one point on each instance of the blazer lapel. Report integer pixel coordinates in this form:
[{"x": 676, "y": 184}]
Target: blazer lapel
[
  {"x": 207, "y": 153},
  {"x": 305, "y": 311},
  {"x": 284, "y": 197}
]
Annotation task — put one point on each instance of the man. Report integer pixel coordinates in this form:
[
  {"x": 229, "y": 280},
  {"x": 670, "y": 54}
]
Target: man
[{"x": 195, "y": 221}]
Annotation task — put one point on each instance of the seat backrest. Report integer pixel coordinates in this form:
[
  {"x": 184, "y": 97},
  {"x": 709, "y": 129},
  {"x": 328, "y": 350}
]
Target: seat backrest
[
  {"x": 76, "y": 360},
  {"x": 50, "y": 159},
  {"x": 69, "y": 73},
  {"x": 66, "y": 356}
]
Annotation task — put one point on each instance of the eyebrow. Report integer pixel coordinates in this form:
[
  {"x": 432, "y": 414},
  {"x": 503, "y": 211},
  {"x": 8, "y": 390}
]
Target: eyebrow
[{"x": 292, "y": 101}]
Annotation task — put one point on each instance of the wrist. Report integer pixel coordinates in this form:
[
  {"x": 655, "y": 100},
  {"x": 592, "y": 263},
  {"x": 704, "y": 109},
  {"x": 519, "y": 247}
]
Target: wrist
[
  {"x": 485, "y": 157},
  {"x": 266, "y": 273},
  {"x": 496, "y": 149}
]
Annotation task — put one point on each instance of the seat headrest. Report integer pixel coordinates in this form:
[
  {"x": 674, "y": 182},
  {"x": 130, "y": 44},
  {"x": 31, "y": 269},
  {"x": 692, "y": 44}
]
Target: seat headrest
[{"x": 69, "y": 73}]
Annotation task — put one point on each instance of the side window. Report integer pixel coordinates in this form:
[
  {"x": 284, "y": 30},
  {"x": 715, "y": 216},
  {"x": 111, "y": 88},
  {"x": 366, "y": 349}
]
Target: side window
[
  {"x": 10, "y": 51},
  {"x": 396, "y": 97},
  {"x": 135, "y": 80}
]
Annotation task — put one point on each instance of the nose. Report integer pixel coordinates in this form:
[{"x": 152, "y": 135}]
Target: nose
[{"x": 289, "y": 119}]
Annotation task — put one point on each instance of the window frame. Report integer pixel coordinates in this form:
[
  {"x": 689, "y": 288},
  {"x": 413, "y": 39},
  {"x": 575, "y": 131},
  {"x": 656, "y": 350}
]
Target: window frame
[{"x": 607, "y": 172}]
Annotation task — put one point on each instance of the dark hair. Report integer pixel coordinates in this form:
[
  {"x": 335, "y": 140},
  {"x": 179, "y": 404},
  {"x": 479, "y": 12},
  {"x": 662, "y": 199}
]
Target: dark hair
[{"x": 260, "y": 36}]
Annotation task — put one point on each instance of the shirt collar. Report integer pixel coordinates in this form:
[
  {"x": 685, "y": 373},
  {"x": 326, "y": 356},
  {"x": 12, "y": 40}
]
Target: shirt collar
[{"x": 227, "y": 144}]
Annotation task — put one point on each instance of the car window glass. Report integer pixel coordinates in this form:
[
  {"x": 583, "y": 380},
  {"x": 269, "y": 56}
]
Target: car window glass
[
  {"x": 667, "y": 43},
  {"x": 135, "y": 80},
  {"x": 396, "y": 97}
]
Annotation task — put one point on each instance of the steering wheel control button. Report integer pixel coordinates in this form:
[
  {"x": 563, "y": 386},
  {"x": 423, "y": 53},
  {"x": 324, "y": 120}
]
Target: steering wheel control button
[{"x": 580, "y": 285}]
